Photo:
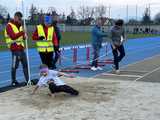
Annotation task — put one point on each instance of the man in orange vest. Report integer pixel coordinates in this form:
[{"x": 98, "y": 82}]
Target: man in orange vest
[
  {"x": 15, "y": 36},
  {"x": 46, "y": 41}
]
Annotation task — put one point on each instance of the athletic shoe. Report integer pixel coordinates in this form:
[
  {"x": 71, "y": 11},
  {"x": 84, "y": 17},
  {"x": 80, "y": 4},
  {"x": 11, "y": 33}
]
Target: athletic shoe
[
  {"x": 99, "y": 68},
  {"x": 113, "y": 67},
  {"x": 15, "y": 83},
  {"x": 93, "y": 68},
  {"x": 117, "y": 72},
  {"x": 25, "y": 83}
]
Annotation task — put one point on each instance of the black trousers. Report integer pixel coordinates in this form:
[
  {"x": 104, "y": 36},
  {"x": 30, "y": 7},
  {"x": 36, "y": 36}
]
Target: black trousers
[
  {"x": 96, "y": 52},
  {"x": 17, "y": 57},
  {"x": 56, "y": 57},
  {"x": 62, "y": 88},
  {"x": 118, "y": 55},
  {"x": 47, "y": 58}
]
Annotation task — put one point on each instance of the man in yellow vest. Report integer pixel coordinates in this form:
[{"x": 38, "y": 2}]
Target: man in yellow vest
[
  {"x": 46, "y": 41},
  {"x": 15, "y": 37}
]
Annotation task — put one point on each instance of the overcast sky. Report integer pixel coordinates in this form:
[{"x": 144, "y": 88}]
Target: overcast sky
[{"x": 118, "y": 7}]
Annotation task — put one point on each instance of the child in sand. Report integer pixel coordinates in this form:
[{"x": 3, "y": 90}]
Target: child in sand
[{"x": 50, "y": 78}]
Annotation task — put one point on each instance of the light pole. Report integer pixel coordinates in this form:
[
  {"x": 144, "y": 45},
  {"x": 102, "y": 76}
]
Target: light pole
[
  {"x": 26, "y": 41},
  {"x": 127, "y": 14},
  {"x": 149, "y": 7}
]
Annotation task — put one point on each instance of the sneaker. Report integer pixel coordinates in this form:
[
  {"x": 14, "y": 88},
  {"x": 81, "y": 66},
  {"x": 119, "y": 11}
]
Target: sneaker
[
  {"x": 113, "y": 67},
  {"x": 25, "y": 83},
  {"x": 117, "y": 72},
  {"x": 15, "y": 83},
  {"x": 93, "y": 68},
  {"x": 99, "y": 68}
]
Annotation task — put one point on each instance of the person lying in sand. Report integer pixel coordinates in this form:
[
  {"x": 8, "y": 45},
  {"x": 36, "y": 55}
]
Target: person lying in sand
[{"x": 55, "y": 84}]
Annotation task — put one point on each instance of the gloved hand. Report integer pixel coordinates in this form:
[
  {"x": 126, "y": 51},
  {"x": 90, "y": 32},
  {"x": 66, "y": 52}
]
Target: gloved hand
[{"x": 41, "y": 38}]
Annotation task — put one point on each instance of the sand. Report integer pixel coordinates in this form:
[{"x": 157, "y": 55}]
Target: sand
[{"x": 99, "y": 99}]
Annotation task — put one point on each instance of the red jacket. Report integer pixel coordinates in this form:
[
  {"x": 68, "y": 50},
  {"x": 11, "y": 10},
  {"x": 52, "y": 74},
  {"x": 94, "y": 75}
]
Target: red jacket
[
  {"x": 36, "y": 37},
  {"x": 14, "y": 36}
]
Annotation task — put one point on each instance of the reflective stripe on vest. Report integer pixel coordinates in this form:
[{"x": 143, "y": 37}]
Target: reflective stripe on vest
[
  {"x": 45, "y": 45},
  {"x": 18, "y": 41}
]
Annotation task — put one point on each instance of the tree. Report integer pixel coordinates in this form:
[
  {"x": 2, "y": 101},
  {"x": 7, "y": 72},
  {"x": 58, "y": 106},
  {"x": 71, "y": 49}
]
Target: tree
[
  {"x": 68, "y": 21},
  {"x": 133, "y": 22},
  {"x": 100, "y": 11},
  {"x": 3, "y": 11},
  {"x": 8, "y": 17},
  {"x": 146, "y": 17},
  {"x": 41, "y": 16},
  {"x": 72, "y": 14},
  {"x": 71, "y": 18},
  {"x": 3, "y": 14},
  {"x": 33, "y": 14},
  {"x": 81, "y": 12},
  {"x": 33, "y": 10},
  {"x": 157, "y": 18},
  {"x": 85, "y": 15},
  {"x": 52, "y": 11},
  {"x": 62, "y": 18}
]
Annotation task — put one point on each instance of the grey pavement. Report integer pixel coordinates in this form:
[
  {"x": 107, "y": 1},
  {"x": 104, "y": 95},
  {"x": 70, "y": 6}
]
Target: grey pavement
[{"x": 147, "y": 70}]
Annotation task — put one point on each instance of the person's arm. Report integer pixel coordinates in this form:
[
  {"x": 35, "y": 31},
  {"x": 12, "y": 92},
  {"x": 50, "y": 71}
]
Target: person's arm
[
  {"x": 101, "y": 33},
  {"x": 35, "y": 89},
  {"x": 55, "y": 40},
  {"x": 123, "y": 35},
  {"x": 66, "y": 75},
  {"x": 113, "y": 46},
  {"x": 12, "y": 34},
  {"x": 35, "y": 36},
  {"x": 111, "y": 37}
]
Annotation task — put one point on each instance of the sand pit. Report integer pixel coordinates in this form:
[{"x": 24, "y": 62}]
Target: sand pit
[{"x": 98, "y": 100}]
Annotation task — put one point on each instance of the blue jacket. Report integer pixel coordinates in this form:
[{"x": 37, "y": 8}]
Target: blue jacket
[{"x": 97, "y": 35}]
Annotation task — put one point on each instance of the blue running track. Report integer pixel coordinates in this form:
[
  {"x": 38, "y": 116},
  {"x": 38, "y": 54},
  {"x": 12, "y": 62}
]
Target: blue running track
[{"x": 136, "y": 50}]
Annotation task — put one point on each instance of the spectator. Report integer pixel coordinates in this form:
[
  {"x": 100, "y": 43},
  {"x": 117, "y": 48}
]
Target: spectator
[
  {"x": 97, "y": 39},
  {"x": 118, "y": 36},
  {"x": 15, "y": 36},
  {"x": 46, "y": 38}
]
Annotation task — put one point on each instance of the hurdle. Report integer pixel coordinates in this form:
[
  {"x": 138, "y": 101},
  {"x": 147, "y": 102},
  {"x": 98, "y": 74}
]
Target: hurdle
[
  {"x": 86, "y": 65},
  {"x": 66, "y": 70}
]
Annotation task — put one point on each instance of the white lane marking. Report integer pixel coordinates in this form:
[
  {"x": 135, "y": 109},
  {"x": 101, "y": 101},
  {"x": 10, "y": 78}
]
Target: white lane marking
[
  {"x": 108, "y": 53},
  {"x": 121, "y": 75},
  {"x": 145, "y": 59},
  {"x": 84, "y": 46},
  {"x": 154, "y": 70},
  {"x": 134, "y": 71},
  {"x": 125, "y": 66}
]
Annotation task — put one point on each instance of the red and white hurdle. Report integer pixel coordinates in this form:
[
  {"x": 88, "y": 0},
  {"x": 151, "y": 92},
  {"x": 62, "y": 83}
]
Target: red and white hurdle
[{"x": 86, "y": 64}]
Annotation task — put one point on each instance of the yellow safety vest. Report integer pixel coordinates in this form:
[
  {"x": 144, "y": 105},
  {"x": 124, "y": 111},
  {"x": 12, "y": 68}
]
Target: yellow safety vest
[
  {"x": 45, "y": 45},
  {"x": 18, "y": 41}
]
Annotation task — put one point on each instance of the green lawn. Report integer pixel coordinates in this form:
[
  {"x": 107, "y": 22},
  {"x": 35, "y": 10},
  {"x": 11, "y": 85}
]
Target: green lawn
[
  {"x": 141, "y": 35},
  {"x": 72, "y": 38}
]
